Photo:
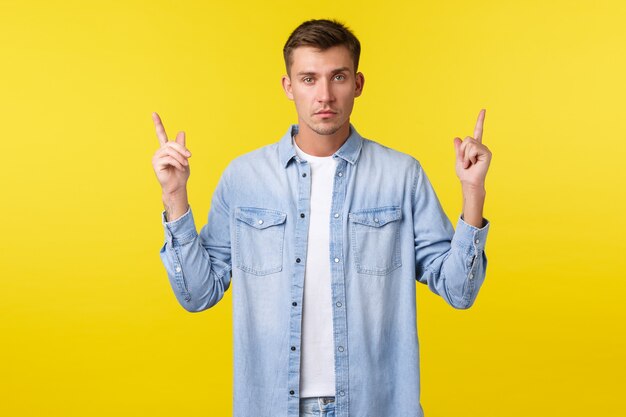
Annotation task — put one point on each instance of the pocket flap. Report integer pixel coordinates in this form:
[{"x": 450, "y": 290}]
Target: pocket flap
[
  {"x": 376, "y": 217},
  {"x": 260, "y": 217}
]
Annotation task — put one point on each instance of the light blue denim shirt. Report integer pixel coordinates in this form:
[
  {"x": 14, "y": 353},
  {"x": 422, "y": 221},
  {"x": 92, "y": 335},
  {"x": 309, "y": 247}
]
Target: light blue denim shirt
[{"x": 387, "y": 232}]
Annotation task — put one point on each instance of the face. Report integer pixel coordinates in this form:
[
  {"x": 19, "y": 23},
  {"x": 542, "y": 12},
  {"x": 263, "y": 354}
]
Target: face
[{"x": 323, "y": 86}]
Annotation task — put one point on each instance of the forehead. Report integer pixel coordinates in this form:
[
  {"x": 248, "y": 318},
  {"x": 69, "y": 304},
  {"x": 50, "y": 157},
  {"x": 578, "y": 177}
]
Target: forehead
[{"x": 310, "y": 59}]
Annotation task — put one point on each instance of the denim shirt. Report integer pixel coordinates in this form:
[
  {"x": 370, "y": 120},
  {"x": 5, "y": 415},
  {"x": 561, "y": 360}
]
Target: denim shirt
[{"x": 387, "y": 232}]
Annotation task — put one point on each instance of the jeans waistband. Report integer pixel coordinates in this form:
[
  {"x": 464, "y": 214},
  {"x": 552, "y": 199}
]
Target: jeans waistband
[{"x": 323, "y": 400}]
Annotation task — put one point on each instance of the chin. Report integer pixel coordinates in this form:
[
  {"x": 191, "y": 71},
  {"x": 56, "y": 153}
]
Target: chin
[{"x": 326, "y": 129}]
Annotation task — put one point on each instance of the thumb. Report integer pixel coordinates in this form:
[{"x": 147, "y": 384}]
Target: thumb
[
  {"x": 457, "y": 148},
  {"x": 180, "y": 138}
]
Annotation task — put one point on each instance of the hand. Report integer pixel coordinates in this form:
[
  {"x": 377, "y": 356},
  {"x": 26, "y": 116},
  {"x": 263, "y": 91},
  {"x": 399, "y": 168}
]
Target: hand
[
  {"x": 472, "y": 157},
  {"x": 170, "y": 160}
]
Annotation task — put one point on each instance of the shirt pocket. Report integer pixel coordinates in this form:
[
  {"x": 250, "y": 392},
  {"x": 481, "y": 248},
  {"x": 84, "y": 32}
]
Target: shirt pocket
[
  {"x": 259, "y": 239},
  {"x": 375, "y": 239}
]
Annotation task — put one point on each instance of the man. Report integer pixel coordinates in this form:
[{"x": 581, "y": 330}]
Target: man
[{"x": 324, "y": 235}]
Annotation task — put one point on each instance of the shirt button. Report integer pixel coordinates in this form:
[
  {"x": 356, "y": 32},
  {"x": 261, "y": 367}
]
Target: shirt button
[
  {"x": 292, "y": 392},
  {"x": 336, "y": 259},
  {"x": 293, "y": 348},
  {"x": 342, "y": 393},
  {"x": 471, "y": 276},
  {"x": 304, "y": 174},
  {"x": 375, "y": 220},
  {"x": 298, "y": 260},
  {"x": 336, "y": 215},
  {"x": 477, "y": 241},
  {"x": 294, "y": 304},
  {"x": 302, "y": 215},
  {"x": 340, "y": 174},
  {"x": 260, "y": 221},
  {"x": 338, "y": 304},
  {"x": 178, "y": 269},
  {"x": 340, "y": 348}
]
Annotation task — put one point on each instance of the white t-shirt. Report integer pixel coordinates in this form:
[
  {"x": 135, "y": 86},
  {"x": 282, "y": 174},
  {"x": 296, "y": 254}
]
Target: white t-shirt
[{"x": 317, "y": 366}]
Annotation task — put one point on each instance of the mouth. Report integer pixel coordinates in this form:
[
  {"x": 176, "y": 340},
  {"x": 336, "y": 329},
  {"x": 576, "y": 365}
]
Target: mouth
[{"x": 325, "y": 113}]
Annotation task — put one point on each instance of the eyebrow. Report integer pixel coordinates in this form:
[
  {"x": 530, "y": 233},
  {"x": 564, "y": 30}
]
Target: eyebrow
[{"x": 333, "y": 71}]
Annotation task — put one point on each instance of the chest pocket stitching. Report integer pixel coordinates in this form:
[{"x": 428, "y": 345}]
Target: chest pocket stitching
[
  {"x": 259, "y": 239},
  {"x": 376, "y": 217},
  {"x": 252, "y": 215},
  {"x": 381, "y": 244}
]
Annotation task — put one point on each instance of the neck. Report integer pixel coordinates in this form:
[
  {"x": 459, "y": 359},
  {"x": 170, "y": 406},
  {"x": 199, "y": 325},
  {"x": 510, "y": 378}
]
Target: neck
[{"x": 315, "y": 144}]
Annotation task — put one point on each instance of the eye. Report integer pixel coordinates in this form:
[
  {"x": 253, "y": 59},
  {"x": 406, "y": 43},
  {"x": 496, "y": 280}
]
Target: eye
[
  {"x": 307, "y": 80},
  {"x": 340, "y": 77}
]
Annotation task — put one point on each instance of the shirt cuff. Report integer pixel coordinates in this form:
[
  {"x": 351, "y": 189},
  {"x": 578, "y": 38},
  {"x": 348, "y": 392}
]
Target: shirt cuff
[
  {"x": 470, "y": 238},
  {"x": 179, "y": 231}
]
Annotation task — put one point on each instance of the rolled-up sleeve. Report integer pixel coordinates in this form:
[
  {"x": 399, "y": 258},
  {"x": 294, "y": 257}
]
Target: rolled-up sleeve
[
  {"x": 198, "y": 265},
  {"x": 452, "y": 263}
]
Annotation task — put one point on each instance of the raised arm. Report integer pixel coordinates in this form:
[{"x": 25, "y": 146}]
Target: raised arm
[
  {"x": 453, "y": 262},
  {"x": 198, "y": 265}
]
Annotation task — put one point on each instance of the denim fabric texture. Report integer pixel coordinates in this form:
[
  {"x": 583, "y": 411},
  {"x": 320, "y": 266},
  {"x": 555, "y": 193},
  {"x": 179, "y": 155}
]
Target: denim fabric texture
[
  {"x": 388, "y": 232},
  {"x": 317, "y": 407}
]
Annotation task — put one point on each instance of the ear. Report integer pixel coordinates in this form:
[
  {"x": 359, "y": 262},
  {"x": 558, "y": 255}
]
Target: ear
[
  {"x": 359, "y": 83},
  {"x": 286, "y": 81}
]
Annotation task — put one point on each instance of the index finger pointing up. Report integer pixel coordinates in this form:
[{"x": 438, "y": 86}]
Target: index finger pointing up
[
  {"x": 160, "y": 130},
  {"x": 478, "y": 130}
]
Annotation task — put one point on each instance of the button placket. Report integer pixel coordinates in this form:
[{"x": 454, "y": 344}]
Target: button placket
[
  {"x": 338, "y": 281},
  {"x": 297, "y": 285}
]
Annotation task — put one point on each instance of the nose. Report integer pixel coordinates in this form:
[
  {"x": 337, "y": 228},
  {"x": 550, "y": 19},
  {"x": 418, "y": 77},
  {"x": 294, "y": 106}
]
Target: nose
[{"x": 324, "y": 91}]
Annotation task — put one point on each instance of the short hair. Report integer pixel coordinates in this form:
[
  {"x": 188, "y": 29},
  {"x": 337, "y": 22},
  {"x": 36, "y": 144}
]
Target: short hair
[{"x": 322, "y": 34}]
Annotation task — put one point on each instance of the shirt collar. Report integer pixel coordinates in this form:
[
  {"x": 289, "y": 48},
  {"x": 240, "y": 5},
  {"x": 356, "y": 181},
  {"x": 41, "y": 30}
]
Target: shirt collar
[{"x": 350, "y": 150}]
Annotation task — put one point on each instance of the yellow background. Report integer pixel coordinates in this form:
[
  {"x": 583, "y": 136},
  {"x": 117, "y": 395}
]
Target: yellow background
[{"x": 89, "y": 325}]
